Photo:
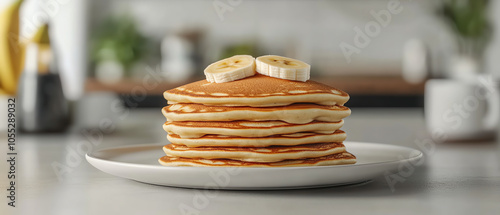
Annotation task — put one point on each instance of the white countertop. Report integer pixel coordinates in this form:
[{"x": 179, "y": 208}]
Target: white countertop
[{"x": 455, "y": 179}]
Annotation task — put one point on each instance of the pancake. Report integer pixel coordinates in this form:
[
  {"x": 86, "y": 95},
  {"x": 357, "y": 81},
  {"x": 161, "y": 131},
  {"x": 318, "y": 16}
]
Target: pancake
[
  {"x": 294, "y": 113},
  {"x": 283, "y": 140},
  {"x": 257, "y": 91},
  {"x": 247, "y": 128},
  {"x": 255, "y": 154},
  {"x": 334, "y": 159}
]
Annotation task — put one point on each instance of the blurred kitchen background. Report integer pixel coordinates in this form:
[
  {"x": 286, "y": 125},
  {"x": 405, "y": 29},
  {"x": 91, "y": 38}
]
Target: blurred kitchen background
[{"x": 380, "y": 52}]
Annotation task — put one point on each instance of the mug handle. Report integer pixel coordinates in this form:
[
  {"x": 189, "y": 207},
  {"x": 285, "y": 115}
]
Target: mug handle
[{"x": 492, "y": 117}]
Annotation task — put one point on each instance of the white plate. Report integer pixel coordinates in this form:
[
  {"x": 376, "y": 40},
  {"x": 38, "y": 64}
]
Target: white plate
[{"x": 140, "y": 163}]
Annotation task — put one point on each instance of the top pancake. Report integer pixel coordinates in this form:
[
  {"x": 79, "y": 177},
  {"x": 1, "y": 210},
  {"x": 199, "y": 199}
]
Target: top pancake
[{"x": 256, "y": 91}]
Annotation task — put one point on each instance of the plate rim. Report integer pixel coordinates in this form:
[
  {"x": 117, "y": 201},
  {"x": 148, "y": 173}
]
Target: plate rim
[{"x": 89, "y": 156}]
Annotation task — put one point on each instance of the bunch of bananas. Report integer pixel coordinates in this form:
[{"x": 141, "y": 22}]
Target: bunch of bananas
[{"x": 11, "y": 49}]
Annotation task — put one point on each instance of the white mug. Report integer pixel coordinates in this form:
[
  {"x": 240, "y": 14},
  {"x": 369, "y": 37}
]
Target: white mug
[{"x": 459, "y": 111}]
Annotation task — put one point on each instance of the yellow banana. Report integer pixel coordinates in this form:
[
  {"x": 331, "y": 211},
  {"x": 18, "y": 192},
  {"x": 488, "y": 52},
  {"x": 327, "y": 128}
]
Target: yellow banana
[
  {"x": 42, "y": 35},
  {"x": 3, "y": 92},
  {"x": 10, "y": 49}
]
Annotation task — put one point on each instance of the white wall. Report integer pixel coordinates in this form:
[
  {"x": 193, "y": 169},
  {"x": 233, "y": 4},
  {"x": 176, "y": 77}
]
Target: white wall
[
  {"x": 311, "y": 30},
  {"x": 308, "y": 30},
  {"x": 493, "y": 57}
]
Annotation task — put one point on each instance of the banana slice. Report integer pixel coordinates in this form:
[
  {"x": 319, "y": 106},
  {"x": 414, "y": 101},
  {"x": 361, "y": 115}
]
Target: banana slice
[
  {"x": 231, "y": 69},
  {"x": 283, "y": 67}
]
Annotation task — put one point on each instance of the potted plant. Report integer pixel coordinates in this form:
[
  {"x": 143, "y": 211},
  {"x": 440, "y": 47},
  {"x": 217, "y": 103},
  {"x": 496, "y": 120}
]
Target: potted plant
[
  {"x": 117, "y": 46},
  {"x": 469, "y": 21}
]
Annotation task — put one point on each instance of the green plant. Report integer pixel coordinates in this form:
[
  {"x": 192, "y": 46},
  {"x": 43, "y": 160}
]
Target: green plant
[
  {"x": 470, "y": 22},
  {"x": 117, "y": 38}
]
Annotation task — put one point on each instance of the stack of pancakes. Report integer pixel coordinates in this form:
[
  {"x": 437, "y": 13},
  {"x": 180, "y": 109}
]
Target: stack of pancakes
[{"x": 257, "y": 121}]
